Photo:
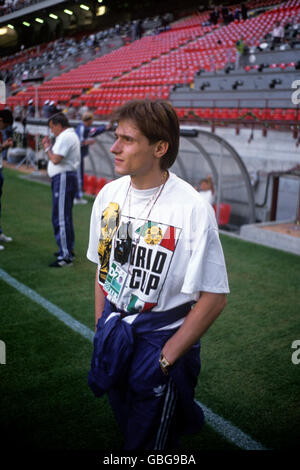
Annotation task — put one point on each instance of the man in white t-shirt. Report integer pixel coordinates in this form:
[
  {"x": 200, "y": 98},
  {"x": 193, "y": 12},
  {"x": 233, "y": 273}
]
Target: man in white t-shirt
[
  {"x": 64, "y": 159},
  {"x": 160, "y": 283},
  {"x": 206, "y": 189},
  {"x": 277, "y": 33}
]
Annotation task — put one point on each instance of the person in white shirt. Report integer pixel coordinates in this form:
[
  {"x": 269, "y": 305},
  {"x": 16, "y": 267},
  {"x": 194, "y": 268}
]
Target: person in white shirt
[
  {"x": 207, "y": 190},
  {"x": 277, "y": 33},
  {"x": 160, "y": 281},
  {"x": 64, "y": 159}
]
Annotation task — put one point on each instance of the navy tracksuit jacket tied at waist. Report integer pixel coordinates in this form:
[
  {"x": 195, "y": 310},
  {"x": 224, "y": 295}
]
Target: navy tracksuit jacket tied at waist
[{"x": 113, "y": 356}]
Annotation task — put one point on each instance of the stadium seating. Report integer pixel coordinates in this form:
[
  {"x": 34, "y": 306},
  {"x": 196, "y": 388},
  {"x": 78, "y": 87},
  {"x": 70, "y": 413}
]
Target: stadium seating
[
  {"x": 234, "y": 114},
  {"x": 92, "y": 185},
  {"x": 154, "y": 65}
]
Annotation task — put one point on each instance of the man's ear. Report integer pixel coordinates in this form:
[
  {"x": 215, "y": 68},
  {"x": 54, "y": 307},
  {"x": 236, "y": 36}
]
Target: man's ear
[{"x": 161, "y": 148}]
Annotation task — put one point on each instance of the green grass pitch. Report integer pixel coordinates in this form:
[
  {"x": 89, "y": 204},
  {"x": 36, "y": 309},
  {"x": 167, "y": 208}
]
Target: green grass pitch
[{"x": 247, "y": 374}]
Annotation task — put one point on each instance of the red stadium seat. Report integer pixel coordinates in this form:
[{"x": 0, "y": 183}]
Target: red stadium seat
[
  {"x": 290, "y": 115},
  {"x": 180, "y": 112},
  {"x": 100, "y": 183},
  {"x": 233, "y": 113},
  {"x": 89, "y": 184},
  {"x": 199, "y": 112},
  {"x": 208, "y": 113},
  {"x": 278, "y": 114}
]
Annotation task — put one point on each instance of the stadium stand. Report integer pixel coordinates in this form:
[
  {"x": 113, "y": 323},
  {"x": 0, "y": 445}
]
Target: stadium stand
[
  {"x": 186, "y": 64},
  {"x": 155, "y": 64},
  {"x": 9, "y": 6}
]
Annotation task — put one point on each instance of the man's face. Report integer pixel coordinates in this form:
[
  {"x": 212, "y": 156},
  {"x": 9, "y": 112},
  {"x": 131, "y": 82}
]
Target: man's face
[
  {"x": 134, "y": 155},
  {"x": 55, "y": 128},
  {"x": 88, "y": 122},
  {"x": 204, "y": 186}
]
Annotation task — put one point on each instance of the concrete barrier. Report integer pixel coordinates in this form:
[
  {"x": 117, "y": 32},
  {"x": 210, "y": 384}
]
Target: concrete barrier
[{"x": 258, "y": 233}]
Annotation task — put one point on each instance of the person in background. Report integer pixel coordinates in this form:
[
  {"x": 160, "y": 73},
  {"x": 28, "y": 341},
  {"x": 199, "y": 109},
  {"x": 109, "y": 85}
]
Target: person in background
[
  {"x": 207, "y": 190},
  {"x": 52, "y": 108},
  {"x": 46, "y": 109},
  {"x": 240, "y": 49},
  {"x": 277, "y": 34},
  {"x": 214, "y": 16},
  {"x": 82, "y": 110},
  {"x": 18, "y": 112},
  {"x": 87, "y": 136},
  {"x": 30, "y": 108},
  {"x": 244, "y": 11},
  {"x": 64, "y": 159},
  {"x": 70, "y": 111},
  {"x": 6, "y": 141},
  {"x": 225, "y": 14},
  {"x": 237, "y": 14}
]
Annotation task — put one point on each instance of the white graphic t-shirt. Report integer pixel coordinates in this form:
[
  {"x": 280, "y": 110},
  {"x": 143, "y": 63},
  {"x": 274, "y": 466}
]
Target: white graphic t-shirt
[
  {"x": 157, "y": 248},
  {"x": 67, "y": 145}
]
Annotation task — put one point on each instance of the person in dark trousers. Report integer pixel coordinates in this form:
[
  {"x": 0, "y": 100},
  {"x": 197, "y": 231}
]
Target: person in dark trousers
[
  {"x": 244, "y": 11},
  {"x": 6, "y": 141},
  {"x": 45, "y": 110},
  {"x": 64, "y": 159},
  {"x": 160, "y": 282},
  {"x": 52, "y": 109},
  {"x": 31, "y": 108}
]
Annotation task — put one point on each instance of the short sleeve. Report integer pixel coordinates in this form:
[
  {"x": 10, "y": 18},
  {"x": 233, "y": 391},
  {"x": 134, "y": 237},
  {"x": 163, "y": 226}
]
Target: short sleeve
[
  {"x": 92, "y": 252},
  {"x": 60, "y": 147},
  {"x": 206, "y": 270}
]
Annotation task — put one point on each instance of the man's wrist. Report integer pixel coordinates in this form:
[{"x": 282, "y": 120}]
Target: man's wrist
[{"x": 164, "y": 364}]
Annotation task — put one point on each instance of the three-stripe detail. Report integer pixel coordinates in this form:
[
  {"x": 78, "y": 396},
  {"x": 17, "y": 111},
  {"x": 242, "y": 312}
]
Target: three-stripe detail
[{"x": 167, "y": 416}]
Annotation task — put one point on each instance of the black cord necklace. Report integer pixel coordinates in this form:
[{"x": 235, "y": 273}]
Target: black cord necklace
[{"x": 124, "y": 235}]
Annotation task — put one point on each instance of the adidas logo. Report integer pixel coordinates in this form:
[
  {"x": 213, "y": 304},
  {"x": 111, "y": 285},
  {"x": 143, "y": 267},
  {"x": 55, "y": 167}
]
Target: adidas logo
[{"x": 159, "y": 390}]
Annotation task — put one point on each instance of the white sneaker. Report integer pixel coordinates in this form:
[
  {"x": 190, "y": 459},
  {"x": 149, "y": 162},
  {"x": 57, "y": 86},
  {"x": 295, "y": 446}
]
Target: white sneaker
[
  {"x": 80, "y": 201},
  {"x": 1, "y": 247},
  {"x": 4, "y": 238}
]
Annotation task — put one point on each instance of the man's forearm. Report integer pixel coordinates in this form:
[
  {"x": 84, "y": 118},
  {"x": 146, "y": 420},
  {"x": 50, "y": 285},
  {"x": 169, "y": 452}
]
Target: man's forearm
[
  {"x": 199, "y": 319},
  {"x": 54, "y": 158}
]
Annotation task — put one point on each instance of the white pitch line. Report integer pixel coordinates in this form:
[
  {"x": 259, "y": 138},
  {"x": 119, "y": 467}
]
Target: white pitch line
[
  {"x": 56, "y": 311},
  {"x": 229, "y": 431},
  {"x": 219, "y": 424}
]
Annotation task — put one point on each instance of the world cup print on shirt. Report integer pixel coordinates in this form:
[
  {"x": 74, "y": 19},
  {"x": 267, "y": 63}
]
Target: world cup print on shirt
[
  {"x": 109, "y": 224},
  {"x": 135, "y": 285}
]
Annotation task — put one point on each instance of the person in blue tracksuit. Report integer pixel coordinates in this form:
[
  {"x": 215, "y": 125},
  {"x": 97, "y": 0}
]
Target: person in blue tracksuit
[
  {"x": 87, "y": 134},
  {"x": 64, "y": 159},
  {"x": 160, "y": 283},
  {"x": 6, "y": 141}
]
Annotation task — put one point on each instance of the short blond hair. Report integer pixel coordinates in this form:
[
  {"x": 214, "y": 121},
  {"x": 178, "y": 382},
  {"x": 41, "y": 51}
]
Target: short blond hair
[{"x": 87, "y": 116}]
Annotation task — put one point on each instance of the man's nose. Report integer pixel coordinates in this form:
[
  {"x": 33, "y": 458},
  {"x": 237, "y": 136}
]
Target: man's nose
[{"x": 115, "y": 148}]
